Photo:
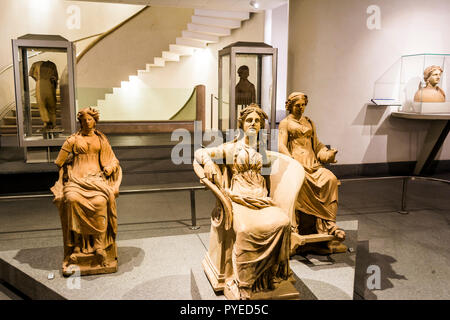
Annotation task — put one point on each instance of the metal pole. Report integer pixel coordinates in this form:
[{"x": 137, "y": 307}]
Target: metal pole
[
  {"x": 404, "y": 189},
  {"x": 212, "y": 111},
  {"x": 193, "y": 216}
]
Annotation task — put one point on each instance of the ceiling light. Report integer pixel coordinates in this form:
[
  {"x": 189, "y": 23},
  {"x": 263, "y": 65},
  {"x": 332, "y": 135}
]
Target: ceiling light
[{"x": 254, "y": 4}]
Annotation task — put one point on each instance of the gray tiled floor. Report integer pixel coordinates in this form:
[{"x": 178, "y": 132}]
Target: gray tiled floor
[{"x": 411, "y": 250}]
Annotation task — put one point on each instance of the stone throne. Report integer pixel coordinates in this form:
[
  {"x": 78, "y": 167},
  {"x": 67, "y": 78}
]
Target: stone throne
[{"x": 285, "y": 180}]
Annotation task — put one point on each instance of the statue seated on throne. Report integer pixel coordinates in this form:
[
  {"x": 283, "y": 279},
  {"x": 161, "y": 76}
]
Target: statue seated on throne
[
  {"x": 314, "y": 227},
  {"x": 85, "y": 194},
  {"x": 250, "y": 239}
]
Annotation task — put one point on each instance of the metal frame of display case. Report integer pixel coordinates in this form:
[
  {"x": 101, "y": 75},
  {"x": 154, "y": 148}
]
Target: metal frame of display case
[
  {"x": 49, "y": 42},
  {"x": 258, "y": 49}
]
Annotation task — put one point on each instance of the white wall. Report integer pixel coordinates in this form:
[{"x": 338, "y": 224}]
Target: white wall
[
  {"x": 336, "y": 59},
  {"x": 277, "y": 36}
]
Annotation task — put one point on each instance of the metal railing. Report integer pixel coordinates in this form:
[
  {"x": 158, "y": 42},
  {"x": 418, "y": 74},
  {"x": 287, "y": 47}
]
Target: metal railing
[{"x": 192, "y": 189}]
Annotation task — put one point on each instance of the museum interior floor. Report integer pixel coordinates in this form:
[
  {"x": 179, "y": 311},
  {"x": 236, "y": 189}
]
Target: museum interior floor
[{"x": 410, "y": 249}]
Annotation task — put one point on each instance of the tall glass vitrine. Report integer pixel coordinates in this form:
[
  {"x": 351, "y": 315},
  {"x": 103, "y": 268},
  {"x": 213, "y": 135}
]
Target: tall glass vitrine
[
  {"x": 44, "y": 78},
  {"x": 247, "y": 74}
]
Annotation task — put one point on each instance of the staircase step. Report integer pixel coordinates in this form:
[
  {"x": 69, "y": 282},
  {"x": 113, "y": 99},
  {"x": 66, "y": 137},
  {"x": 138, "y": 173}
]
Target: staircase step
[
  {"x": 233, "y": 15},
  {"x": 200, "y": 37},
  {"x": 34, "y": 113},
  {"x": 35, "y": 120},
  {"x": 223, "y": 23},
  {"x": 12, "y": 129},
  {"x": 170, "y": 56},
  {"x": 159, "y": 61},
  {"x": 190, "y": 43},
  {"x": 216, "y": 31},
  {"x": 181, "y": 50}
]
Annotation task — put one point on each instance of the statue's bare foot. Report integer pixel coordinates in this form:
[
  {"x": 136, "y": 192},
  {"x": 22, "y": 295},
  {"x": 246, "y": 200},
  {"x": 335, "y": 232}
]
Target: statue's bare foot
[
  {"x": 73, "y": 259},
  {"x": 340, "y": 234},
  {"x": 77, "y": 250},
  {"x": 235, "y": 292},
  {"x": 101, "y": 254},
  {"x": 245, "y": 293}
]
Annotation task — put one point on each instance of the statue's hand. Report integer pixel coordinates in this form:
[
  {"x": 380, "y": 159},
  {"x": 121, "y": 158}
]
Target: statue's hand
[
  {"x": 331, "y": 155},
  {"x": 327, "y": 155},
  {"x": 210, "y": 169},
  {"x": 108, "y": 170}
]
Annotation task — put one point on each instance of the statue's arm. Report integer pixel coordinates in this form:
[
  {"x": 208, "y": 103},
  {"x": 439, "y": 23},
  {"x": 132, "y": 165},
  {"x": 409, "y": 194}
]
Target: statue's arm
[
  {"x": 283, "y": 136},
  {"x": 323, "y": 154},
  {"x": 65, "y": 151},
  {"x": 208, "y": 157}
]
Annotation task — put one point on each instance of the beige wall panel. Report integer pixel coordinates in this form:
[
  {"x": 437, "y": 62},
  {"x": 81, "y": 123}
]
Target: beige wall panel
[{"x": 130, "y": 47}]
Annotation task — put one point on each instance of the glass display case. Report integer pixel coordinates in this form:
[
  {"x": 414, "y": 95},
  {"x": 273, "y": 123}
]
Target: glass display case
[
  {"x": 45, "y": 89},
  {"x": 247, "y": 74},
  {"x": 417, "y": 83}
]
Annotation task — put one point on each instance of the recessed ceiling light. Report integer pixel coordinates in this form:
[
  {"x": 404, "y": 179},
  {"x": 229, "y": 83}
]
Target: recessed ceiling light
[{"x": 254, "y": 4}]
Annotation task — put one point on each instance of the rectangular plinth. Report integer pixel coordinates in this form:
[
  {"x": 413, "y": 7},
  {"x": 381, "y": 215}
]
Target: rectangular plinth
[{"x": 163, "y": 268}]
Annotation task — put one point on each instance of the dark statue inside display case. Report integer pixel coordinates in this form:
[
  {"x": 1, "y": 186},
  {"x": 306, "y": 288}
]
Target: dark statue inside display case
[{"x": 247, "y": 74}]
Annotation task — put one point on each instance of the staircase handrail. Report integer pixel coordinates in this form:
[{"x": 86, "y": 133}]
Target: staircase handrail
[
  {"x": 9, "y": 66},
  {"x": 107, "y": 33},
  {"x": 10, "y": 105}
]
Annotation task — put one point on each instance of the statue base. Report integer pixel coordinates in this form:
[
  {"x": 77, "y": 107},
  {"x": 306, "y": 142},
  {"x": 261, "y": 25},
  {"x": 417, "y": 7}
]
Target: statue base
[
  {"x": 283, "y": 290},
  {"x": 167, "y": 268},
  {"x": 307, "y": 240},
  {"x": 84, "y": 264}
]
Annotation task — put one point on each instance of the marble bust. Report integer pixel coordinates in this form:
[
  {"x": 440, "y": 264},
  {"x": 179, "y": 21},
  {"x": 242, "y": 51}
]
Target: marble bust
[{"x": 431, "y": 92}]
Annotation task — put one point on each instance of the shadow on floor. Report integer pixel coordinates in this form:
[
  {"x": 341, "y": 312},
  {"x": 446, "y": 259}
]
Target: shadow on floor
[
  {"x": 373, "y": 272},
  {"x": 49, "y": 259}
]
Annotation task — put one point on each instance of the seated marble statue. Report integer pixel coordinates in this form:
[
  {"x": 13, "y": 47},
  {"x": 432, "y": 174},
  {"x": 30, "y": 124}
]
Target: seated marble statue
[
  {"x": 318, "y": 196},
  {"x": 85, "y": 194},
  {"x": 431, "y": 92},
  {"x": 260, "y": 253}
]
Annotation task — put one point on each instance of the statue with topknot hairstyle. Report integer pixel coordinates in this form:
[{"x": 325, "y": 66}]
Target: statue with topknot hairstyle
[
  {"x": 431, "y": 92},
  {"x": 317, "y": 201},
  {"x": 85, "y": 194}
]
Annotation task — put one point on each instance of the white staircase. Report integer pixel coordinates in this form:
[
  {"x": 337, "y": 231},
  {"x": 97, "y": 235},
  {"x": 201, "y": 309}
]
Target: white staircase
[{"x": 207, "y": 27}]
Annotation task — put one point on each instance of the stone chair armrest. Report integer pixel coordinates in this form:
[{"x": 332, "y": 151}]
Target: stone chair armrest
[{"x": 222, "y": 215}]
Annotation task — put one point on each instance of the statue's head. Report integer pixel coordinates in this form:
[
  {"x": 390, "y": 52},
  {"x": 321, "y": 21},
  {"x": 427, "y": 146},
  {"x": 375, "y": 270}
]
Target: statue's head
[
  {"x": 296, "y": 102},
  {"x": 88, "y": 117},
  {"x": 243, "y": 72},
  {"x": 432, "y": 75},
  {"x": 252, "y": 119}
]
